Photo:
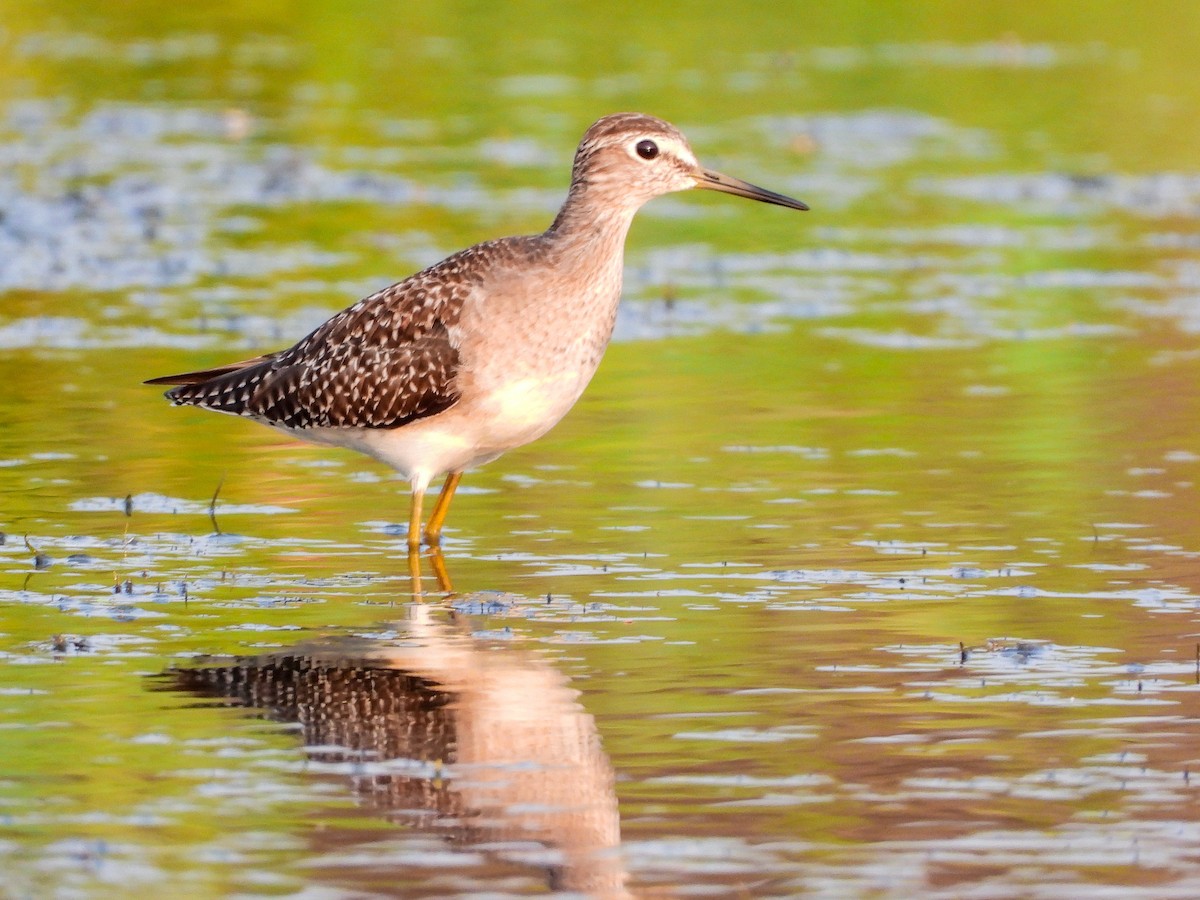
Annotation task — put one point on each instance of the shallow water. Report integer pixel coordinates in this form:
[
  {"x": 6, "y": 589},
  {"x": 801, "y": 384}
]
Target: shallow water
[{"x": 868, "y": 565}]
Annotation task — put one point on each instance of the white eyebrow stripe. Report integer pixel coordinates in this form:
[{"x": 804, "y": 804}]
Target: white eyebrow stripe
[{"x": 668, "y": 145}]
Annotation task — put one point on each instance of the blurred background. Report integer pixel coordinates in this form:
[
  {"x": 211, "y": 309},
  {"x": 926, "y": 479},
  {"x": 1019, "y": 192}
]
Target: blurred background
[{"x": 872, "y": 548}]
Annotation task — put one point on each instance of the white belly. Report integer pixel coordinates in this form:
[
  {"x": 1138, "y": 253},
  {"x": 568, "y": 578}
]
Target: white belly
[
  {"x": 475, "y": 431},
  {"x": 526, "y": 408}
]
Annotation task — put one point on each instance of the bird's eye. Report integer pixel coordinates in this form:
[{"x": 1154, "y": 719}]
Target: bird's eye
[{"x": 647, "y": 149}]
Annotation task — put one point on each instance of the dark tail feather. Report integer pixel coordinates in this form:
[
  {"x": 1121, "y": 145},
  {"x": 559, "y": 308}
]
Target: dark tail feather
[
  {"x": 228, "y": 389},
  {"x": 207, "y": 374}
]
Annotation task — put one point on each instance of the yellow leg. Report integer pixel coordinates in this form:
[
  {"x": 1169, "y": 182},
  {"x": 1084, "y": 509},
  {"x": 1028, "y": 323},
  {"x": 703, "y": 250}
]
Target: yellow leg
[
  {"x": 433, "y": 531},
  {"x": 414, "y": 572},
  {"x": 414, "y": 519},
  {"x": 439, "y": 570}
]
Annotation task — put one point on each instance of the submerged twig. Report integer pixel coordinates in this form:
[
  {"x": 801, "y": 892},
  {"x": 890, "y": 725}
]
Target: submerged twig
[
  {"x": 212, "y": 506},
  {"x": 40, "y": 559}
]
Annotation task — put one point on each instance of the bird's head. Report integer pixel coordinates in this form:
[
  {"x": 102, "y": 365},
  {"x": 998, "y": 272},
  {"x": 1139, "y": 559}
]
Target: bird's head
[{"x": 630, "y": 158}]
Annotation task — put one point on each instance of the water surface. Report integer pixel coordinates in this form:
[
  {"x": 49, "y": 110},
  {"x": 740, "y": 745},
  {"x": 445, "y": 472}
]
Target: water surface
[{"x": 868, "y": 565}]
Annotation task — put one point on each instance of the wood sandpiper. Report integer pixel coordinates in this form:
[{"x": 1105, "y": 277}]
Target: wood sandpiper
[{"x": 482, "y": 352}]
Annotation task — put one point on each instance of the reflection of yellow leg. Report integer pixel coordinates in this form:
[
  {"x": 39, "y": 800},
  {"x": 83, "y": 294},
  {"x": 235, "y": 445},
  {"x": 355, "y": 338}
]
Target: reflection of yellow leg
[
  {"x": 414, "y": 571},
  {"x": 433, "y": 531},
  {"x": 414, "y": 519},
  {"x": 439, "y": 570}
]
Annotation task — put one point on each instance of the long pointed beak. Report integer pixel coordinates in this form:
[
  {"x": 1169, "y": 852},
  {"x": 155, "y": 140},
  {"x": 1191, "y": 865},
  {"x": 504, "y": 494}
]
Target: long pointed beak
[{"x": 714, "y": 181}]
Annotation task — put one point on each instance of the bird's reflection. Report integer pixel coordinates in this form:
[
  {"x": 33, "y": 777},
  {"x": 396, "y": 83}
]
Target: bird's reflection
[{"x": 494, "y": 747}]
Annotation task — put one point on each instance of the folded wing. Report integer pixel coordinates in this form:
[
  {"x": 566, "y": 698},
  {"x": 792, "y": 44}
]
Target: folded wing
[{"x": 385, "y": 361}]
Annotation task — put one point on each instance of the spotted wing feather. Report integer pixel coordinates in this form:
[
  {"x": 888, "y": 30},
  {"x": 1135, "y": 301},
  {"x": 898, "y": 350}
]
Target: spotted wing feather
[{"x": 386, "y": 361}]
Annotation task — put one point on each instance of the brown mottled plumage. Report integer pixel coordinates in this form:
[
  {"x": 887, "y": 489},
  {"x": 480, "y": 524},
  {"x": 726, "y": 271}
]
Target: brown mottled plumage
[{"x": 484, "y": 351}]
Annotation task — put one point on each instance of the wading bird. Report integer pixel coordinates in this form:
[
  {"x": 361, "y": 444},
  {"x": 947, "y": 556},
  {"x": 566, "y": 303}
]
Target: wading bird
[{"x": 484, "y": 351}]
